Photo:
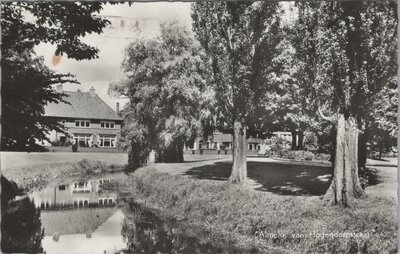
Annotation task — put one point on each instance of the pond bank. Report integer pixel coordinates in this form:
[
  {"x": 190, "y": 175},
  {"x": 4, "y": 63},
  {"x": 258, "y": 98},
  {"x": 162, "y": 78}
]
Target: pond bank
[{"x": 270, "y": 222}]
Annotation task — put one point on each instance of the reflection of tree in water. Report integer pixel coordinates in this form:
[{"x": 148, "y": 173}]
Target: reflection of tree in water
[
  {"x": 20, "y": 221},
  {"x": 147, "y": 233}
]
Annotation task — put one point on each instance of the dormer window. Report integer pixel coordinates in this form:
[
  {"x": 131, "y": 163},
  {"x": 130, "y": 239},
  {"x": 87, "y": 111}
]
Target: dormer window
[
  {"x": 82, "y": 123},
  {"x": 107, "y": 125}
]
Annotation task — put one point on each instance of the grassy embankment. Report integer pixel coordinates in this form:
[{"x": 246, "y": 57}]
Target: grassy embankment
[
  {"x": 39, "y": 176},
  {"x": 264, "y": 219}
]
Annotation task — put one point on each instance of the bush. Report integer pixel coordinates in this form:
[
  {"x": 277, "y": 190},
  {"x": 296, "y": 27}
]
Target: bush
[
  {"x": 75, "y": 147},
  {"x": 323, "y": 157},
  {"x": 310, "y": 141},
  {"x": 280, "y": 146},
  {"x": 67, "y": 143},
  {"x": 56, "y": 143},
  {"x": 298, "y": 155}
]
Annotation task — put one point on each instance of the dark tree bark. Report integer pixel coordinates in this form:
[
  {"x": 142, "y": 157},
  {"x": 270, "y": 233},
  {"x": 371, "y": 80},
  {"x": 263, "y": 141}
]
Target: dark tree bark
[
  {"x": 301, "y": 138},
  {"x": 345, "y": 184},
  {"x": 239, "y": 167},
  {"x": 173, "y": 154},
  {"x": 137, "y": 156},
  {"x": 362, "y": 149},
  {"x": 294, "y": 138}
]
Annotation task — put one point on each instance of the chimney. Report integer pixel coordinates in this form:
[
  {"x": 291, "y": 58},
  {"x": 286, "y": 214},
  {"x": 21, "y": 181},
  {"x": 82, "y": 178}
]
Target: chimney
[
  {"x": 59, "y": 88},
  {"x": 117, "y": 108},
  {"x": 92, "y": 92}
]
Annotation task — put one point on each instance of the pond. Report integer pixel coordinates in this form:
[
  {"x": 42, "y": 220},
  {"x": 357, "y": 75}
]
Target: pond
[{"x": 82, "y": 217}]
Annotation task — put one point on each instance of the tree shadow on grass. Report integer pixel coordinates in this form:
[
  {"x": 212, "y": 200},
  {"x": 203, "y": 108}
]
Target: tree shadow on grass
[
  {"x": 283, "y": 179},
  {"x": 279, "y": 178}
]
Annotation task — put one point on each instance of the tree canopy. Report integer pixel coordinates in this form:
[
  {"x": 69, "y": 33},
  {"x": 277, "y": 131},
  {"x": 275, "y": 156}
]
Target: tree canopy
[
  {"x": 26, "y": 84},
  {"x": 166, "y": 82}
]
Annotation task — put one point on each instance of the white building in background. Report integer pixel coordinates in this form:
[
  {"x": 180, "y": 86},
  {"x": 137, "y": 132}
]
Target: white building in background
[
  {"x": 223, "y": 141},
  {"x": 87, "y": 120},
  {"x": 286, "y": 135}
]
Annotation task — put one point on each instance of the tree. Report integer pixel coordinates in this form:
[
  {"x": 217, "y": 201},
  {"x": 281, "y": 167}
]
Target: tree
[
  {"x": 26, "y": 82},
  {"x": 383, "y": 126},
  {"x": 166, "y": 81},
  {"x": 347, "y": 55},
  {"x": 240, "y": 39}
]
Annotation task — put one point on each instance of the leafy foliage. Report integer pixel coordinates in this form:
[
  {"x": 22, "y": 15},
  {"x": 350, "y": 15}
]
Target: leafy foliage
[
  {"x": 26, "y": 81},
  {"x": 166, "y": 82},
  {"x": 325, "y": 38},
  {"x": 241, "y": 40},
  {"x": 310, "y": 142}
]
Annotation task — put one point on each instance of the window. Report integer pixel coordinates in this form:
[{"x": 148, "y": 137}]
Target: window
[
  {"x": 81, "y": 202},
  {"x": 108, "y": 140},
  {"x": 106, "y": 202},
  {"x": 82, "y": 139},
  {"x": 107, "y": 125},
  {"x": 82, "y": 123}
]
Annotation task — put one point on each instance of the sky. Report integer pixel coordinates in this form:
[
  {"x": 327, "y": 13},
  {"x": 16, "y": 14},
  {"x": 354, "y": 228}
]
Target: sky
[{"x": 139, "y": 20}]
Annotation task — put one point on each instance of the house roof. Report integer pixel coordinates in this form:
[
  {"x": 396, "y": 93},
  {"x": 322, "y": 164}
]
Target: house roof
[{"x": 83, "y": 105}]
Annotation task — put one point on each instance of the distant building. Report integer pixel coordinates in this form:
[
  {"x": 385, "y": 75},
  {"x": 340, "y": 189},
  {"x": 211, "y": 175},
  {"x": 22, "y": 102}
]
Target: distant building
[
  {"x": 223, "y": 141},
  {"x": 87, "y": 119},
  {"x": 286, "y": 135}
]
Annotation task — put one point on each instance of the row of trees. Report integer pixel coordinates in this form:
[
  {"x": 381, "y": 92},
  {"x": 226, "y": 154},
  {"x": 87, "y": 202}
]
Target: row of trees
[{"x": 327, "y": 69}]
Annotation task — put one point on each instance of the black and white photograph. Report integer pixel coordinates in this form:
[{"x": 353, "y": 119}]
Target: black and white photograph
[{"x": 199, "y": 127}]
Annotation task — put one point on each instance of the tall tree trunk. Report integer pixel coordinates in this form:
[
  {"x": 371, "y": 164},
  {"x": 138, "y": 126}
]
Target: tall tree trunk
[
  {"x": 345, "y": 186},
  {"x": 362, "y": 143},
  {"x": 294, "y": 140},
  {"x": 301, "y": 138},
  {"x": 173, "y": 154},
  {"x": 134, "y": 161},
  {"x": 239, "y": 167}
]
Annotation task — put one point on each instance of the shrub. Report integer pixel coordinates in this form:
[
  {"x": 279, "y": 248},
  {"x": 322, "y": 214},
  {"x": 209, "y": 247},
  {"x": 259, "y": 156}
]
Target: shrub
[
  {"x": 280, "y": 146},
  {"x": 298, "y": 155},
  {"x": 56, "y": 143},
  {"x": 310, "y": 141},
  {"x": 323, "y": 157},
  {"x": 75, "y": 147},
  {"x": 67, "y": 143}
]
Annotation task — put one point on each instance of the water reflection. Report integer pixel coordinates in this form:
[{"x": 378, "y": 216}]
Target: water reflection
[
  {"x": 79, "y": 194},
  {"x": 147, "y": 233},
  {"x": 81, "y": 217}
]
